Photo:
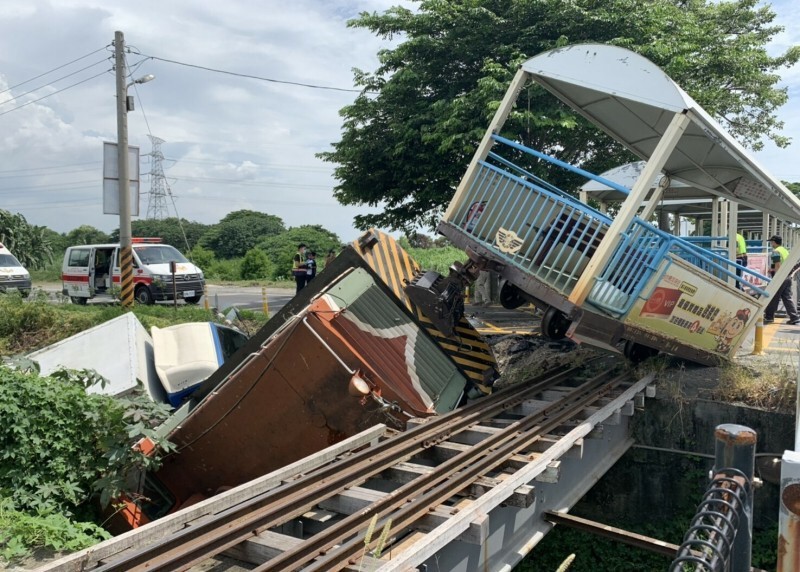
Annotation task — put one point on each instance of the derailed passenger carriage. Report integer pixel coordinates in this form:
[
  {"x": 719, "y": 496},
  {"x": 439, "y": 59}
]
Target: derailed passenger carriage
[{"x": 621, "y": 282}]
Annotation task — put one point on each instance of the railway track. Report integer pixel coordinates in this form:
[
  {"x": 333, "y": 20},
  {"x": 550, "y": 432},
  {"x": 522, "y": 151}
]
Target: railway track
[{"x": 418, "y": 490}]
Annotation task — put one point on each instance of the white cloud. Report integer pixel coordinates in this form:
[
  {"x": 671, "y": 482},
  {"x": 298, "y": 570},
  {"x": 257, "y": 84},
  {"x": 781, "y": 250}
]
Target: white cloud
[{"x": 231, "y": 142}]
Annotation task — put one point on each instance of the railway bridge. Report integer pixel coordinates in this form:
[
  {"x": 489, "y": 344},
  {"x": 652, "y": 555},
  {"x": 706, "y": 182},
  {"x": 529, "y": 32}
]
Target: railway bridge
[{"x": 475, "y": 489}]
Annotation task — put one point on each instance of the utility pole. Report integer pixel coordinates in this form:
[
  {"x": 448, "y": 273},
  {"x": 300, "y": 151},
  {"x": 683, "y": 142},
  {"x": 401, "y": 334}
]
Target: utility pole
[{"x": 126, "y": 250}]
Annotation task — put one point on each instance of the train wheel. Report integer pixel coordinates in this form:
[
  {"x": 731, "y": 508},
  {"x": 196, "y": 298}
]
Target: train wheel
[
  {"x": 510, "y": 296},
  {"x": 637, "y": 352},
  {"x": 555, "y": 324},
  {"x": 79, "y": 300}
]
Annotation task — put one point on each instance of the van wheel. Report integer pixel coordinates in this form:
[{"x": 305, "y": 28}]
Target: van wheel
[
  {"x": 143, "y": 296},
  {"x": 192, "y": 299},
  {"x": 555, "y": 324},
  {"x": 77, "y": 300}
]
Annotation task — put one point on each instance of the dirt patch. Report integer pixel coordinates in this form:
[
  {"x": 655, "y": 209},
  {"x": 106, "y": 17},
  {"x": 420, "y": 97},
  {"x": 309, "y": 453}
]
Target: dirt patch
[{"x": 521, "y": 356}]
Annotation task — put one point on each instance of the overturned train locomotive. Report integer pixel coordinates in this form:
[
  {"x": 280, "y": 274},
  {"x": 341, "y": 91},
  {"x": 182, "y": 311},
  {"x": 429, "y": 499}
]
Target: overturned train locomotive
[
  {"x": 349, "y": 351},
  {"x": 618, "y": 283}
]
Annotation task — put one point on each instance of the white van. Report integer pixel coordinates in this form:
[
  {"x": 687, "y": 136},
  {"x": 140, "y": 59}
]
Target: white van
[
  {"x": 92, "y": 271},
  {"x": 13, "y": 275}
]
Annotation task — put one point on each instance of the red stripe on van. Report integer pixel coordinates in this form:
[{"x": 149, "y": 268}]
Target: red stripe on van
[{"x": 74, "y": 278}]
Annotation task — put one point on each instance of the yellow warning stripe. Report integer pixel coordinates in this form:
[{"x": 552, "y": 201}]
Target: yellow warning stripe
[
  {"x": 126, "y": 277},
  {"x": 394, "y": 265}
]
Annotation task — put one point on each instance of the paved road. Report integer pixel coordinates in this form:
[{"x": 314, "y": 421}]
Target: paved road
[{"x": 248, "y": 297}]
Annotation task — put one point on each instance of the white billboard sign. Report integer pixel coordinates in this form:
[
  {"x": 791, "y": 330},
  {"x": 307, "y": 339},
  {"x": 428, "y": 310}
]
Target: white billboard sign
[{"x": 111, "y": 178}]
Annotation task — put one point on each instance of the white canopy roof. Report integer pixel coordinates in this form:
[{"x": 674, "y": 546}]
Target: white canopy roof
[{"x": 633, "y": 100}]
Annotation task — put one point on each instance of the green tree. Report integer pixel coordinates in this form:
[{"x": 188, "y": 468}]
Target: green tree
[
  {"x": 409, "y": 136},
  {"x": 171, "y": 231},
  {"x": 30, "y": 244},
  {"x": 86, "y": 234},
  {"x": 794, "y": 187},
  {"x": 240, "y": 231},
  {"x": 281, "y": 248}
]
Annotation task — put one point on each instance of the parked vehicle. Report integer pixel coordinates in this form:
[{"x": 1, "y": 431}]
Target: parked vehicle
[
  {"x": 13, "y": 275},
  {"x": 92, "y": 271}
]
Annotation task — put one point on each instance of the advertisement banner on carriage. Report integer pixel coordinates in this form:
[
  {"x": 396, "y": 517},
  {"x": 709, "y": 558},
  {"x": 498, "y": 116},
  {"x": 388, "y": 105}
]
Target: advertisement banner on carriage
[{"x": 689, "y": 308}]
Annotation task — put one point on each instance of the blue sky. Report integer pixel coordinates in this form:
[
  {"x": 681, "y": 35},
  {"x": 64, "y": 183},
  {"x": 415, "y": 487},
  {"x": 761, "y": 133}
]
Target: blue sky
[{"x": 231, "y": 143}]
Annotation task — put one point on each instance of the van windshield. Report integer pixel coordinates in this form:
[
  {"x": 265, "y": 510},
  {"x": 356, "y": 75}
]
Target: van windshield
[
  {"x": 158, "y": 254},
  {"x": 7, "y": 260}
]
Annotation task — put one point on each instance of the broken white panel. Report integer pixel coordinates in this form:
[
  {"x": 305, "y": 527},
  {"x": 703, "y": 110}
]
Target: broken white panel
[{"x": 120, "y": 350}]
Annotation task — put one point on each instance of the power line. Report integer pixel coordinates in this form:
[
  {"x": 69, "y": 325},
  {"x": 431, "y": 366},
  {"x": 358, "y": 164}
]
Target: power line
[
  {"x": 53, "y": 167},
  {"x": 55, "y": 92},
  {"x": 49, "y": 186},
  {"x": 253, "y": 183},
  {"x": 56, "y": 68},
  {"x": 64, "y": 205},
  {"x": 52, "y": 82},
  {"x": 58, "y": 173},
  {"x": 248, "y": 76},
  {"x": 276, "y": 166}
]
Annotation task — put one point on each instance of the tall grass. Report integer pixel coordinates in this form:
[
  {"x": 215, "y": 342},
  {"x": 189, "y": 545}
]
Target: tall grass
[
  {"x": 438, "y": 258},
  {"x": 30, "y": 325}
]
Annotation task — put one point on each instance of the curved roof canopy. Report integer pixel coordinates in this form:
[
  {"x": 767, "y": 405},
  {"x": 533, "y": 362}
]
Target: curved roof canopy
[
  {"x": 678, "y": 197},
  {"x": 633, "y": 100}
]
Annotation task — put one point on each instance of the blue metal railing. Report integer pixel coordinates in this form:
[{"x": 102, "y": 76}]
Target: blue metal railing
[
  {"x": 637, "y": 257},
  {"x": 546, "y": 233},
  {"x": 549, "y": 234}
]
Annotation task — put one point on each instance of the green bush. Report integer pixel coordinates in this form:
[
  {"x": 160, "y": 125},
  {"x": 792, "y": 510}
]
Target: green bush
[
  {"x": 256, "y": 265},
  {"x": 20, "y": 532},
  {"x": 227, "y": 270},
  {"x": 66, "y": 452},
  {"x": 203, "y": 258}
]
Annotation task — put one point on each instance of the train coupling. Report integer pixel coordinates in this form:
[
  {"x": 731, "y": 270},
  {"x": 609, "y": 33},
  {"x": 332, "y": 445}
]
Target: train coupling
[{"x": 440, "y": 298}]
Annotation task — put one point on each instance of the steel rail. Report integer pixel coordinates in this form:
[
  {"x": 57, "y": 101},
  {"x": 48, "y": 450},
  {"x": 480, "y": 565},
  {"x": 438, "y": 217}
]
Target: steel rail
[
  {"x": 203, "y": 539},
  {"x": 433, "y": 489}
]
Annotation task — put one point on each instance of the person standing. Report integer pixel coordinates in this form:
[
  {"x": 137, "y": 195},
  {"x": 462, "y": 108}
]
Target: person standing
[
  {"x": 483, "y": 289},
  {"x": 741, "y": 257},
  {"x": 311, "y": 266},
  {"x": 784, "y": 293},
  {"x": 299, "y": 268}
]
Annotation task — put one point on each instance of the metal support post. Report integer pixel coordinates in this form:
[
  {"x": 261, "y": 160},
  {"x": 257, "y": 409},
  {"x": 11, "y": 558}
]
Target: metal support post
[
  {"x": 789, "y": 515},
  {"x": 629, "y": 209},
  {"x": 736, "y": 448},
  {"x": 733, "y": 230}
]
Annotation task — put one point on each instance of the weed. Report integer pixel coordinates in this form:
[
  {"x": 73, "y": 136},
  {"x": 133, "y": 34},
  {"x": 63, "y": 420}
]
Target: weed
[
  {"x": 86, "y": 440},
  {"x": 771, "y": 388}
]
